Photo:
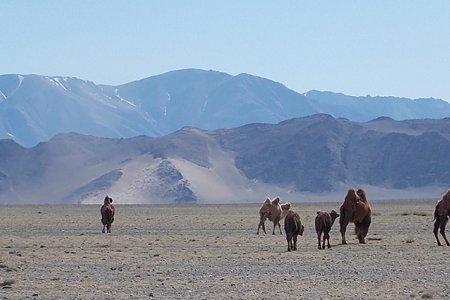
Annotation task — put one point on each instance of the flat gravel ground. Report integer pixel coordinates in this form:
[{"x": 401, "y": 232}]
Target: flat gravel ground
[{"x": 213, "y": 252}]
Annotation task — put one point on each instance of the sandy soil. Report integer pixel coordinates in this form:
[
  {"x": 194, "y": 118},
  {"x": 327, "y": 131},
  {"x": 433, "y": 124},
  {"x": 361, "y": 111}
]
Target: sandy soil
[{"x": 213, "y": 252}]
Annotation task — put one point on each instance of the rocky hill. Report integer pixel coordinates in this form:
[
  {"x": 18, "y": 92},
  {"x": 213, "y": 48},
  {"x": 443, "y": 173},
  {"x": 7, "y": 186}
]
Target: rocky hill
[{"x": 302, "y": 159}]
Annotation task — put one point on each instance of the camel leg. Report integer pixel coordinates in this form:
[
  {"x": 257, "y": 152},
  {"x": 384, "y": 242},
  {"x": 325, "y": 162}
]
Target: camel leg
[
  {"x": 364, "y": 231},
  {"x": 365, "y": 227},
  {"x": 295, "y": 241},
  {"x": 436, "y": 229},
  {"x": 104, "y": 225},
  {"x": 275, "y": 225},
  {"x": 261, "y": 225},
  {"x": 318, "y": 240},
  {"x": 343, "y": 228},
  {"x": 108, "y": 228},
  {"x": 327, "y": 237},
  {"x": 289, "y": 240},
  {"x": 444, "y": 221},
  {"x": 343, "y": 222},
  {"x": 323, "y": 240},
  {"x": 359, "y": 228}
]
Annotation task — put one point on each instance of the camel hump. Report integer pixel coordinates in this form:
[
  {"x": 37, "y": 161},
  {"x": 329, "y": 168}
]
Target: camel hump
[
  {"x": 351, "y": 196},
  {"x": 446, "y": 196},
  {"x": 362, "y": 195}
]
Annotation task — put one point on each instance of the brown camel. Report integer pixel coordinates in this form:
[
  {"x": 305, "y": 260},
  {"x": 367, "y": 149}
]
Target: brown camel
[
  {"x": 323, "y": 222},
  {"x": 293, "y": 227},
  {"x": 274, "y": 211},
  {"x": 107, "y": 211},
  {"x": 355, "y": 209},
  {"x": 441, "y": 215}
]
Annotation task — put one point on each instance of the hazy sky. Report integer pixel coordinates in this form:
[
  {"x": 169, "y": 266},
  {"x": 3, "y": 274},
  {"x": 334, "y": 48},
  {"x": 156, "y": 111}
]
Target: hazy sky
[{"x": 399, "y": 48}]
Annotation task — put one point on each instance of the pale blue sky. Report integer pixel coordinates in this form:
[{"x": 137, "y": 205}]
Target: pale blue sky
[{"x": 399, "y": 48}]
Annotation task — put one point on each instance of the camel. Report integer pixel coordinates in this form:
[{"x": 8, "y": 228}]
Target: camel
[
  {"x": 355, "y": 209},
  {"x": 323, "y": 222},
  {"x": 441, "y": 215},
  {"x": 274, "y": 211},
  {"x": 293, "y": 227},
  {"x": 107, "y": 211}
]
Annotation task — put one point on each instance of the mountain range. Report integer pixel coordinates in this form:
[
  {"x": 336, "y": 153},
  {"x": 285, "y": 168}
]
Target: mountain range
[
  {"x": 301, "y": 159},
  {"x": 35, "y": 108}
]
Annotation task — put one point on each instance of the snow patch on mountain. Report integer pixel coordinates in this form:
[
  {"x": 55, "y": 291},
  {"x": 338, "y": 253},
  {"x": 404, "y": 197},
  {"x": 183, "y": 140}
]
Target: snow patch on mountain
[
  {"x": 116, "y": 93},
  {"x": 57, "y": 81},
  {"x": 21, "y": 78},
  {"x": 205, "y": 104},
  {"x": 2, "y": 96}
]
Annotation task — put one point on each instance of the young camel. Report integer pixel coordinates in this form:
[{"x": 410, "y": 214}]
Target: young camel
[
  {"x": 293, "y": 228},
  {"x": 441, "y": 215},
  {"x": 323, "y": 222}
]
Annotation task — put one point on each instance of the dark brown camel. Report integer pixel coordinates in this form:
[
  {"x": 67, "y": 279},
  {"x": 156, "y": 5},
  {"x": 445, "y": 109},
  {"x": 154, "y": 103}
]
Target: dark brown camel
[
  {"x": 293, "y": 227},
  {"x": 441, "y": 215},
  {"x": 107, "y": 211},
  {"x": 323, "y": 222},
  {"x": 355, "y": 209}
]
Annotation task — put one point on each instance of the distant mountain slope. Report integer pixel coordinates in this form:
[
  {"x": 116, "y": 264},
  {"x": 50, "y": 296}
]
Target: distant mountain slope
[
  {"x": 35, "y": 108},
  {"x": 366, "y": 108},
  {"x": 315, "y": 157}
]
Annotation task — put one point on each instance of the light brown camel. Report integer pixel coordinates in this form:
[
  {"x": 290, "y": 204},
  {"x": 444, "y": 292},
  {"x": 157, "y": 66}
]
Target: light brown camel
[
  {"x": 441, "y": 215},
  {"x": 355, "y": 209},
  {"x": 274, "y": 211}
]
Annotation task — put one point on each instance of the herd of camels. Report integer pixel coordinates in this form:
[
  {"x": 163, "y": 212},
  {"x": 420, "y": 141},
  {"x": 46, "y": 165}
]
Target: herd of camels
[{"x": 355, "y": 209}]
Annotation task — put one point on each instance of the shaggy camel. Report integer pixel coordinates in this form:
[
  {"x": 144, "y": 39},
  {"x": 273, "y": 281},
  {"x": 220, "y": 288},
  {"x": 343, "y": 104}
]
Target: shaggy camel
[
  {"x": 324, "y": 221},
  {"x": 107, "y": 211},
  {"x": 293, "y": 227},
  {"x": 355, "y": 209},
  {"x": 441, "y": 215},
  {"x": 274, "y": 211}
]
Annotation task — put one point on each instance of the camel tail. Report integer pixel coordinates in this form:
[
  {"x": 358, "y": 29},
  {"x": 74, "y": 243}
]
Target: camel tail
[{"x": 436, "y": 213}]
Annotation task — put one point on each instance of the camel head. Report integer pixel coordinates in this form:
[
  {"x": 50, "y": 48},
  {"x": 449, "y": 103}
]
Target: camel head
[
  {"x": 108, "y": 200},
  {"x": 333, "y": 215},
  {"x": 286, "y": 206}
]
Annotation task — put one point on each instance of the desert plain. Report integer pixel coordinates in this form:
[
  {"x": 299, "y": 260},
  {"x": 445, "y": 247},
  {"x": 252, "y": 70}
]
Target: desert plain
[{"x": 213, "y": 252}]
